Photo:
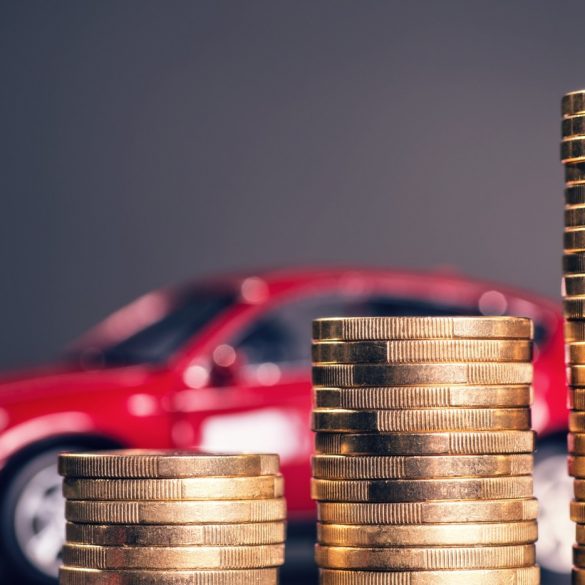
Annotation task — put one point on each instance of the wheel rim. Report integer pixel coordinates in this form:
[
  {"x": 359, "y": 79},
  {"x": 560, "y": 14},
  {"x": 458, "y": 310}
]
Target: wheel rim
[
  {"x": 39, "y": 520},
  {"x": 554, "y": 490}
]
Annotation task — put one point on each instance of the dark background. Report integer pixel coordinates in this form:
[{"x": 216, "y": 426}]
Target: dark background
[{"x": 146, "y": 142}]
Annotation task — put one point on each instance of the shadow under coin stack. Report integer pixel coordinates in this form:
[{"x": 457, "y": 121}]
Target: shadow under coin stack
[
  {"x": 423, "y": 461},
  {"x": 573, "y": 157},
  {"x": 154, "y": 518}
]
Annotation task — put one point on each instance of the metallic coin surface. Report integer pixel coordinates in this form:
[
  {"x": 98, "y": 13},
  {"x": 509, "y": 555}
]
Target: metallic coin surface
[
  {"x": 422, "y": 351},
  {"x": 573, "y": 126},
  {"x": 577, "y": 466},
  {"x": 454, "y": 443},
  {"x": 576, "y": 442},
  {"x": 468, "y": 419},
  {"x": 347, "y": 375},
  {"x": 416, "y": 467},
  {"x": 574, "y": 174},
  {"x": 176, "y": 535},
  {"x": 574, "y": 263},
  {"x": 195, "y": 488},
  {"x": 83, "y": 576},
  {"x": 145, "y": 512},
  {"x": 388, "y": 328},
  {"x": 576, "y": 375},
  {"x": 173, "y": 558},
  {"x": 579, "y": 556},
  {"x": 407, "y": 559},
  {"x": 574, "y": 241},
  {"x": 574, "y": 331},
  {"x": 513, "y": 510},
  {"x": 577, "y": 398},
  {"x": 577, "y": 421},
  {"x": 161, "y": 464},
  {"x": 519, "y": 576},
  {"x": 420, "y": 490},
  {"x": 398, "y": 397},
  {"x": 580, "y": 533},
  {"x": 573, "y": 103},
  {"x": 382, "y": 535},
  {"x": 579, "y": 488},
  {"x": 578, "y": 575},
  {"x": 575, "y": 216},
  {"x": 574, "y": 284},
  {"x": 573, "y": 147},
  {"x": 578, "y": 512},
  {"x": 575, "y": 195},
  {"x": 574, "y": 307}
]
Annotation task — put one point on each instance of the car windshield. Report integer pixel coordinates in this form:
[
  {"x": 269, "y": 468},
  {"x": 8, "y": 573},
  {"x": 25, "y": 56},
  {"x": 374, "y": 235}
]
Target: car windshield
[{"x": 157, "y": 342}]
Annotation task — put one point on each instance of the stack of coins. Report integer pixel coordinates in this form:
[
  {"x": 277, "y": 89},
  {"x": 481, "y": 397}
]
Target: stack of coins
[
  {"x": 423, "y": 462},
  {"x": 176, "y": 518},
  {"x": 573, "y": 157}
]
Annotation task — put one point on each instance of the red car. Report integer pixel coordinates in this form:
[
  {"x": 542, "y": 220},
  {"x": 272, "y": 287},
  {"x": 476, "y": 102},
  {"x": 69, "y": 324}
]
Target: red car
[{"x": 224, "y": 365}]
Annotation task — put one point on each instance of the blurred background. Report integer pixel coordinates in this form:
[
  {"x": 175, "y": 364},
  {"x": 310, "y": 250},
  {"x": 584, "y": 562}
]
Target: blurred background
[{"x": 144, "y": 143}]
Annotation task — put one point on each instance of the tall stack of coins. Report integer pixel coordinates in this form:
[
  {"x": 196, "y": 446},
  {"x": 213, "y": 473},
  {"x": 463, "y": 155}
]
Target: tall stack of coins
[
  {"x": 423, "y": 462},
  {"x": 176, "y": 518},
  {"x": 573, "y": 157}
]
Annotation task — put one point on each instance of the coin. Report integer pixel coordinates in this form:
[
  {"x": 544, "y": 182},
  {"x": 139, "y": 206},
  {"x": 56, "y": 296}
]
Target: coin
[
  {"x": 577, "y": 398},
  {"x": 519, "y": 576},
  {"x": 399, "y": 397},
  {"x": 574, "y": 307},
  {"x": 145, "y": 512},
  {"x": 503, "y": 533},
  {"x": 176, "y": 535},
  {"x": 577, "y": 466},
  {"x": 576, "y": 442},
  {"x": 173, "y": 558},
  {"x": 422, "y": 351},
  {"x": 161, "y": 464},
  {"x": 574, "y": 241},
  {"x": 580, "y": 533},
  {"x": 575, "y": 195},
  {"x": 385, "y": 328},
  {"x": 415, "y": 467},
  {"x": 483, "y": 442},
  {"x": 578, "y": 576},
  {"x": 197, "y": 488},
  {"x": 573, "y": 103},
  {"x": 576, "y": 375},
  {"x": 83, "y": 576},
  {"x": 579, "y": 556},
  {"x": 578, "y": 512},
  {"x": 574, "y": 285},
  {"x": 574, "y": 331},
  {"x": 412, "y": 559},
  {"x": 577, "y": 421},
  {"x": 399, "y": 490},
  {"x": 468, "y": 419},
  {"x": 459, "y": 511},
  {"x": 573, "y": 148},
  {"x": 574, "y": 173},
  {"x": 574, "y": 263},
  {"x": 573, "y": 126},
  {"x": 413, "y": 374},
  {"x": 574, "y": 215},
  {"x": 579, "y": 487}
]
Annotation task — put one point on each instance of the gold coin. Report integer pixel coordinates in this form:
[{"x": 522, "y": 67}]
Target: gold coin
[
  {"x": 574, "y": 307},
  {"x": 576, "y": 442},
  {"x": 572, "y": 127},
  {"x": 503, "y": 533},
  {"x": 177, "y": 535},
  {"x": 577, "y": 421},
  {"x": 519, "y": 576},
  {"x": 413, "y": 374},
  {"x": 419, "y": 467},
  {"x": 579, "y": 488},
  {"x": 579, "y": 556},
  {"x": 479, "y": 443},
  {"x": 412, "y": 559},
  {"x": 399, "y": 397},
  {"x": 422, "y": 351},
  {"x": 574, "y": 285},
  {"x": 464, "y": 419},
  {"x": 386, "y": 328},
  {"x": 576, "y": 375},
  {"x": 580, "y": 533},
  {"x": 574, "y": 331},
  {"x": 574, "y": 263},
  {"x": 578, "y": 576},
  {"x": 406, "y": 490},
  {"x": 576, "y": 466},
  {"x": 573, "y": 148},
  {"x": 574, "y": 174},
  {"x": 574, "y": 241},
  {"x": 145, "y": 512},
  {"x": 578, "y": 512},
  {"x": 575, "y": 195},
  {"x": 83, "y": 576},
  {"x": 173, "y": 558},
  {"x": 575, "y": 353},
  {"x": 574, "y": 215},
  {"x": 136, "y": 463},
  {"x": 573, "y": 103},
  {"x": 577, "y": 398},
  {"x": 457, "y": 512},
  {"x": 195, "y": 488}
]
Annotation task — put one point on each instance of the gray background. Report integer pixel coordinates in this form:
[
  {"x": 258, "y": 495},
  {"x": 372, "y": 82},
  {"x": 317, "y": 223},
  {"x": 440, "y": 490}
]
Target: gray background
[{"x": 146, "y": 142}]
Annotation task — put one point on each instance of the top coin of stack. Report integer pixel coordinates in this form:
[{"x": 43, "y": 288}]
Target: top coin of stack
[
  {"x": 172, "y": 518},
  {"x": 573, "y": 157},
  {"x": 423, "y": 460}
]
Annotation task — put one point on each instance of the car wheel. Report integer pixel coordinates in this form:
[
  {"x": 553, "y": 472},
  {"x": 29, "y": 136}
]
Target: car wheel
[
  {"x": 554, "y": 489},
  {"x": 32, "y": 521}
]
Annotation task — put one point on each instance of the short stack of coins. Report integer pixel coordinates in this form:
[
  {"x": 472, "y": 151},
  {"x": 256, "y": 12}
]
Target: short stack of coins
[
  {"x": 573, "y": 157},
  {"x": 424, "y": 451},
  {"x": 172, "y": 518}
]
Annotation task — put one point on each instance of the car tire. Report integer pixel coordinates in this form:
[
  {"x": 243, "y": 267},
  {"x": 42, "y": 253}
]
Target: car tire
[
  {"x": 32, "y": 520},
  {"x": 554, "y": 489}
]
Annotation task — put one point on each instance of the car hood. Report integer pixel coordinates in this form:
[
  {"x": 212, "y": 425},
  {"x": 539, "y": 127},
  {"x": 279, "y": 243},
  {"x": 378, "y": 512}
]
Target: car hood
[{"x": 59, "y": 379}]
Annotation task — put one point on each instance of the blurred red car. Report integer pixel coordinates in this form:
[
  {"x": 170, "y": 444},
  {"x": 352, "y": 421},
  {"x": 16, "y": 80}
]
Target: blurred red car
[{"x": 224, "y": 365}]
